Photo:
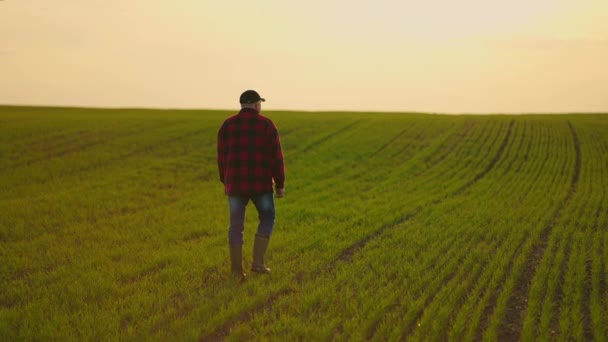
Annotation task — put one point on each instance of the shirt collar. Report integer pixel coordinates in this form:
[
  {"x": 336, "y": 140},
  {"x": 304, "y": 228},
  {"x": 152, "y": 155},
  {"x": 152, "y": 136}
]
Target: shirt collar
[{"x": 249, "y": 110}]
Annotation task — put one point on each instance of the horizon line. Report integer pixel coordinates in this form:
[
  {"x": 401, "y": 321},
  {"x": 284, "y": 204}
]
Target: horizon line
[{"x": 236, "y": 109}]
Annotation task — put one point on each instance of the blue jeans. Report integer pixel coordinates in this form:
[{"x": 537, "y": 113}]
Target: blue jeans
[{"x": 264, "y": 203}]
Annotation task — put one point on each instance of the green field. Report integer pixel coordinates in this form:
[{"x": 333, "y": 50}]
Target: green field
[{"x": 394, "y": 226}]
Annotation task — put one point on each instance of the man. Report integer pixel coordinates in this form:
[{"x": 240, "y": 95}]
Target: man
[{"x": 249, "y": 159}]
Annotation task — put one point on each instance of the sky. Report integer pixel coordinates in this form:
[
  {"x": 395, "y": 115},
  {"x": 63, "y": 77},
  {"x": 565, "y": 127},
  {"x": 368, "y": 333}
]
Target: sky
[{"x": 440, "y": 56}]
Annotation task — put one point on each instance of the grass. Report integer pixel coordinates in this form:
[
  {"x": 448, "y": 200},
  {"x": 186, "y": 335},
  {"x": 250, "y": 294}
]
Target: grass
[{"x": 394, "y": 226}]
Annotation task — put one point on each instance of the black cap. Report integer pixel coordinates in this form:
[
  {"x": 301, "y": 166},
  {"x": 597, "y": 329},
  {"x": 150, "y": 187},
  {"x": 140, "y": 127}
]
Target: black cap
[{"x": 250, "y": 96}]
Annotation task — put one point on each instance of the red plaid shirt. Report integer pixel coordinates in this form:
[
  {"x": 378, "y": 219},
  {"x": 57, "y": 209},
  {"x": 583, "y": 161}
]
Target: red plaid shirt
[{"x": 249, "y": 155}]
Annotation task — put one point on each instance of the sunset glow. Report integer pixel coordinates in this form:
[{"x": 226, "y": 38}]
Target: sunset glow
[{"x": 435, "y": 56}]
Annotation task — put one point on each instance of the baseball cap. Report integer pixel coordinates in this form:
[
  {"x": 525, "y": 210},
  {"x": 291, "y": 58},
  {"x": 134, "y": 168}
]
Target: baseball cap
[{"x": 250, "y": 96}]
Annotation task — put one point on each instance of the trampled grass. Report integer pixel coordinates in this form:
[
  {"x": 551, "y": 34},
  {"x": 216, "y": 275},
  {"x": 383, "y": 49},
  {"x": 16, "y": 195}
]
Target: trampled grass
[{"x": 395, "y": 226}]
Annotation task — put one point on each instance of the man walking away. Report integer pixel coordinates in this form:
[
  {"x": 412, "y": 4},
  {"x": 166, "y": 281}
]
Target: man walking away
[{"x": 250, "y": 160}]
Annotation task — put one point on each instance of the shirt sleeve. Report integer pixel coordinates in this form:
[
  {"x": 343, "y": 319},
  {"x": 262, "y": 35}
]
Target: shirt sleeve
[
  {"x": 277, "y": 164},
  {"x": 221, "y": 146}
]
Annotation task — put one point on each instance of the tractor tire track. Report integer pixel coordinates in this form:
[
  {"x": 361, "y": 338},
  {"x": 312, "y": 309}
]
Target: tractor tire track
[
  {"x": 223, "y": 331},
  {"x": 330, "y": 136},
  {"x": 440, "y": 261},
  {"x": 602, "y": 286},
  {"x": 79, "y": 148},
  {"x": 589, "y": 263},
  {"x": 482, "y": 140},
  {"x": 517, "y": 303},
  {"x": 586, "y": 298},
  {"x": 348, "y": 253},
  {"x": 492, "y": 163},
  {"x": 559, "y": 291},
  {"x": 457, "y": 275},
  {"x": 491, "y": 305},
  {"x": 411, "y": 327},
  {"x": 452, "y": 140},
  {"x": 492, "y": 302},
  {"x": 388, "y": 143},
  {"x": 466, "y": 128},
  {"x": 146, "y": 149},
  {"x": 522, "y": 142}
]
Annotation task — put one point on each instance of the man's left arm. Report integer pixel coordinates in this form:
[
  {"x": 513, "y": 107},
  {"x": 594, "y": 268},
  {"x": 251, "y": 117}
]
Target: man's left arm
[{"x": 277, "y": 162}]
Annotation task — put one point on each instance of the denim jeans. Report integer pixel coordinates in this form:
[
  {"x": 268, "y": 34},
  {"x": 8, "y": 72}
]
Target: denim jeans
[{"x": 264, "y": 203}]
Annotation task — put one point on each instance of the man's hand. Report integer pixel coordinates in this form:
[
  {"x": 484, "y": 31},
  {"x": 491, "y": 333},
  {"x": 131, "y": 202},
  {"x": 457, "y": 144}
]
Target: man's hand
[{"x": 280, "y": 193}]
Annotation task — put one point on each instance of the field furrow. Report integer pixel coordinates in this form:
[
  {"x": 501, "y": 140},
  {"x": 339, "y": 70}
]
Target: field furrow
[
  {"x": 517, "y": 303},
  {"x": 513, "y": 247},
  {"x": 350, "y": 250}
]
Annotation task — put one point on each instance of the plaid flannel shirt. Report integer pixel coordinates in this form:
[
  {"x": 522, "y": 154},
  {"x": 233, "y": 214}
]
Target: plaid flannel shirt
[{"x": 249, "y": 155}]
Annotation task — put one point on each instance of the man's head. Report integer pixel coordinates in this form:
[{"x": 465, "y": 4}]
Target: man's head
[{"x": 251, "y": 99}]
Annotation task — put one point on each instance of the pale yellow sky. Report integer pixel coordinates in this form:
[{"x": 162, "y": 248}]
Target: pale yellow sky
[{"x": 477, "y": 56}]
